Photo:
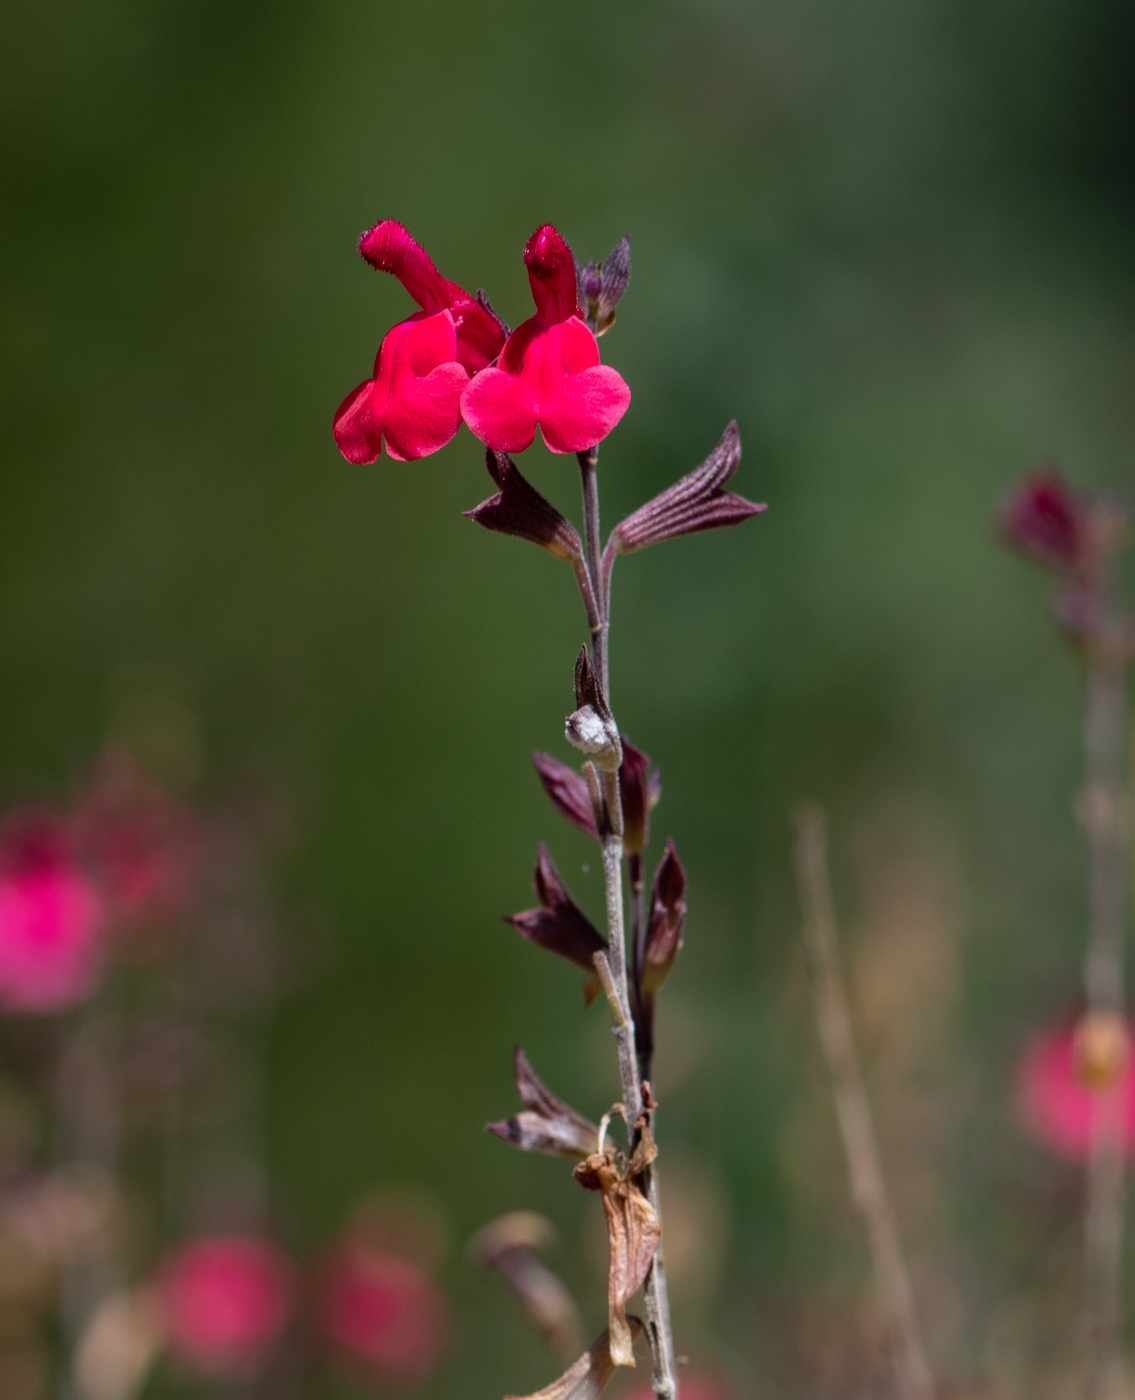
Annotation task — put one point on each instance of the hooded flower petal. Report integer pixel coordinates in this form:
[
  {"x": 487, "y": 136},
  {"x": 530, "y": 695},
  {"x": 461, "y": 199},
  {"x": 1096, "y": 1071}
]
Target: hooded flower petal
[
  {"x": 388, "y": 247},
  {"x": 549, "y": 375}
]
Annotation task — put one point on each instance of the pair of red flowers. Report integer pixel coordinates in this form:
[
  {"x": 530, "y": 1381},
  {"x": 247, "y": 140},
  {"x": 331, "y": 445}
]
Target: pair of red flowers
[{"x": 456, "y": 360}]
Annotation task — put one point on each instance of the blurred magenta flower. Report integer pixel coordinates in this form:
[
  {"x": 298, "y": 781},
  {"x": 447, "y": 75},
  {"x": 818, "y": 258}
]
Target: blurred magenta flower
[
  {"x": 549, "y": 375},
  {"x": 142, "y": 846},
  {"x": 51, "y": 919},
  {"x": 224, "y": 1301},
  {"x": 1055, "y": 1106},
  {"x": 413, "y": 399},
  {"x": 386, "y": 1317}
]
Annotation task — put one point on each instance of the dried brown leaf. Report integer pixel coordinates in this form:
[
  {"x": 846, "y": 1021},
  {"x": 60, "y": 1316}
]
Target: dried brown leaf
[
  {"x": 586, "y": 1378},
  {"x": 633, "y": 1233}
]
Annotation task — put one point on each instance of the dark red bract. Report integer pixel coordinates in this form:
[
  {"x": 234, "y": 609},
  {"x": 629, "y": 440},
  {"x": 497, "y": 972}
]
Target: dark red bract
[{"x": 549, "y": 375}]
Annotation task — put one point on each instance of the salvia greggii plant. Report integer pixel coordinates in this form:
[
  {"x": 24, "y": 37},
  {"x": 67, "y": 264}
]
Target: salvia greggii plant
[{"x": 456, "y": 361}]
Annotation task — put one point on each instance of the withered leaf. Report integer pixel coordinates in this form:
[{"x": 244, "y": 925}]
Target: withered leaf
[
  {"x": 633, "y": 1233},
  {"x": 547, "y": 1124},
  {"x": 586, "y": 1378}
]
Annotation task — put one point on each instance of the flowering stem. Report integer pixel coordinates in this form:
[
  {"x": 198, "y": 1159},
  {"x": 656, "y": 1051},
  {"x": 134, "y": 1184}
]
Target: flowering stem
[
  {"x": 867, "y": 1186},
  {"x": 1101, "y": 812},
  {"x": 589, "y": 479},
  {"x": 664, "y": 1381}
]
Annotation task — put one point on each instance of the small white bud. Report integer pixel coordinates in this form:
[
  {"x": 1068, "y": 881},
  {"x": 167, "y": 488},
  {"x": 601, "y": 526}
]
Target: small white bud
[{"x": 596, "y": 737}]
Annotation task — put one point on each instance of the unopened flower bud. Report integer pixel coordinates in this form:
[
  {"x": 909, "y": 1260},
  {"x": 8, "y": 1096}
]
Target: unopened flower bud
[
  {"x": 1102, "y": 1050},
  {"x": 598, "y": 738}
]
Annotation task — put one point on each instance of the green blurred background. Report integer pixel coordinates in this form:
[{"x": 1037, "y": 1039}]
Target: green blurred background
[{"x": 895, "y": 241}]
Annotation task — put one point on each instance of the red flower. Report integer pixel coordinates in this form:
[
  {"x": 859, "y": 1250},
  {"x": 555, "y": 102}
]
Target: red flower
[
  {"x": 386, "y": 1317},
  {"x": 224, "y": 1302},
  {"x": 51, "y": 919},
  {"x": 549, "y": 375},
  {"x": 413, "y": 400}
]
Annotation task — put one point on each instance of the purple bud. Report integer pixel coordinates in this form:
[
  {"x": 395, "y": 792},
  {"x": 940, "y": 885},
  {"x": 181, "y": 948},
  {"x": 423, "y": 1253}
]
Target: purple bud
[
  {"x": 1047, "y": 521},
  {"x": 695, "y": 503},
  {"x": 519, "y": 509},
  {"x": 589, "y": 284},
  {"x": 640, "y": 784},
  {"x": 568, "y": 791},
  {"x": 667, "y": 915},
  {"x": 559, "y": 925},
  {"x": 613, "y": 282},
  {"x": 548, "y": 1124}
]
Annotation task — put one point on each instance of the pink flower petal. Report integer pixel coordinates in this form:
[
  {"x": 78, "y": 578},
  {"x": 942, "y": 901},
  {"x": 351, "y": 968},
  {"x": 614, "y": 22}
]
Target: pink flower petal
[
  {"x": 358, "y": 432},
  {"x": 502, "y": 409}
]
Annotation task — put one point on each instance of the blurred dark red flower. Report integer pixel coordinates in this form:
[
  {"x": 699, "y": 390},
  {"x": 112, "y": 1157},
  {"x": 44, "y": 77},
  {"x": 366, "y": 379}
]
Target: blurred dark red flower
[
  {"x": 412, "y": 401},
  {"x": 224, "y": 1301},
  {"x": 143, "y": 848},
  {"x": 1046, "y": 520},
  {"x": 51, "y": 918},
  {"x": 1055, "y": 1106},
  {"x": 549, "y": 375},
  {"x": 385, "y": 1316}
]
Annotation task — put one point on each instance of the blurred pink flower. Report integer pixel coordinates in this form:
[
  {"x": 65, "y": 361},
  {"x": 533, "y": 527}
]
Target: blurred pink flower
[
  {"x": 385, "y": 1315},
  {"x": 51, "y": 918},
  {"x": 143, "y": 847},
  {"x": 225, "y": 1300},
  {"x": 1055, "y": 1108}
]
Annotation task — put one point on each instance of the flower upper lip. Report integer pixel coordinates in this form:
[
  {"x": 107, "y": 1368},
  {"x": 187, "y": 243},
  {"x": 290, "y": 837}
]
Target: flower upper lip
[{"x": 389, "y": 247}]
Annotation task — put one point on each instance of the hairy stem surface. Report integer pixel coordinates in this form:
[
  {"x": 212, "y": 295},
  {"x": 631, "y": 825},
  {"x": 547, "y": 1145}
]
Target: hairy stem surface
[{"x": 664, "y": 1380}]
